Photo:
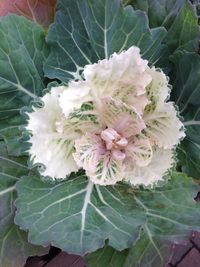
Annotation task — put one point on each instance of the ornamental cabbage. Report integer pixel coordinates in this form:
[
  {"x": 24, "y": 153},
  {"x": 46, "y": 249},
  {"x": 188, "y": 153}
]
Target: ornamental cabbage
[{"x": 115, "y": 123}]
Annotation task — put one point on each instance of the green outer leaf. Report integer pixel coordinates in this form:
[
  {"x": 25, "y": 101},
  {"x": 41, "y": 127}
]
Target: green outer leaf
[
  {"x": 189, "y": 154},
  {"x": 183, "y": 30},
  {"x": 142, "y": 254},
  {"x": 22, "y": 52},
  {"x": 169, "y": 209},
  {"x": 158, "y": 11},
  {"x": 78, "y": 218},
  {"x": 86, "y": 31},
  {"x": 108, "y": 257},
  {"x": 177, "y": 16},
  {"x": 10, "y": 171},
  {"x": 186, "y": 94},
  {"x": 146, "y": 253},
  {"x": 14, "y": 247}
]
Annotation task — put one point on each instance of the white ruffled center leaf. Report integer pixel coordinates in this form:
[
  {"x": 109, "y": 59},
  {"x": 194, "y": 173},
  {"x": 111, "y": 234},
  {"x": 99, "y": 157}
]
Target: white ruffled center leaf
[
  {"x": 92, "y": 155},
  {"x": 102, "y": 154},
  {"x": 50, "y": 145}
]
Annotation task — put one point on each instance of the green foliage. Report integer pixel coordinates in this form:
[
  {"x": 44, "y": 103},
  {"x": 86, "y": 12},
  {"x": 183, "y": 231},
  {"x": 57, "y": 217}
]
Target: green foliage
[
  {"x": 86, "y": 31},
  {"x": 186, "y": 94},
  {"x": 14, "y": 246},
  {"x": 78, "y": 216},
  {"x": 22, "y": 52},
  {"x": 177, "y": 16},
  {"x": 144, "y": 253},
  {"x": 74, "y": 215}
]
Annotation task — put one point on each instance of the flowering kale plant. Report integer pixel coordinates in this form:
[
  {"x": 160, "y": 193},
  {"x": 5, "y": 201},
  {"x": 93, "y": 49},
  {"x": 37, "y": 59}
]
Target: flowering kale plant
[{"x": 100, "y": 129}]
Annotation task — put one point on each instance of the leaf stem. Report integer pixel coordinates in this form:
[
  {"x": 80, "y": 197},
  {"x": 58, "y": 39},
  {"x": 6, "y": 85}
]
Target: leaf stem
[
  {"x": 7, "y": 190},
  {"x": 152, "y": 241},
  {"x": 189, "y": 123}
]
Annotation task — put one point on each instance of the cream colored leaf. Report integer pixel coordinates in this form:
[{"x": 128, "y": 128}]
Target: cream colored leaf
[
  {"x": 98, "y": 163},
  {"x": 126, "y": 69},
  {"x": 139, "y": 150},
  {"x": 164, "y": 128},
  {"x": 159, "y": 88},
  {"x": 162, "y": 161},
  {"x": 74, "y": 95},
  {"x": 123, "y": 118},
  {"x": 50, "y": 145}
]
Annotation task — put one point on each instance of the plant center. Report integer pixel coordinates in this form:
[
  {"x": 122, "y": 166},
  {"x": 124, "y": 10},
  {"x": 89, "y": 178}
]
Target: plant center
[{"x": 115, "y": 143}]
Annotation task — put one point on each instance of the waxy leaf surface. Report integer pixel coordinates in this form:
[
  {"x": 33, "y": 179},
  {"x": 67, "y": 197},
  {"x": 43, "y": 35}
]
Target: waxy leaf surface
[
  {"x": 14, "y": 246},
  {"x": 78, "y": 216},
  {"x": 86, "y": 31},
  {"x": 22, "y": 52},
  {"x": 186, "y": 94}
]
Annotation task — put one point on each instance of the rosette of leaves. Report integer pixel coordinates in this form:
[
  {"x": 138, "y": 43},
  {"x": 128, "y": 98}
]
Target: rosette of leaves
[{"x": 69, "y": 214}]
